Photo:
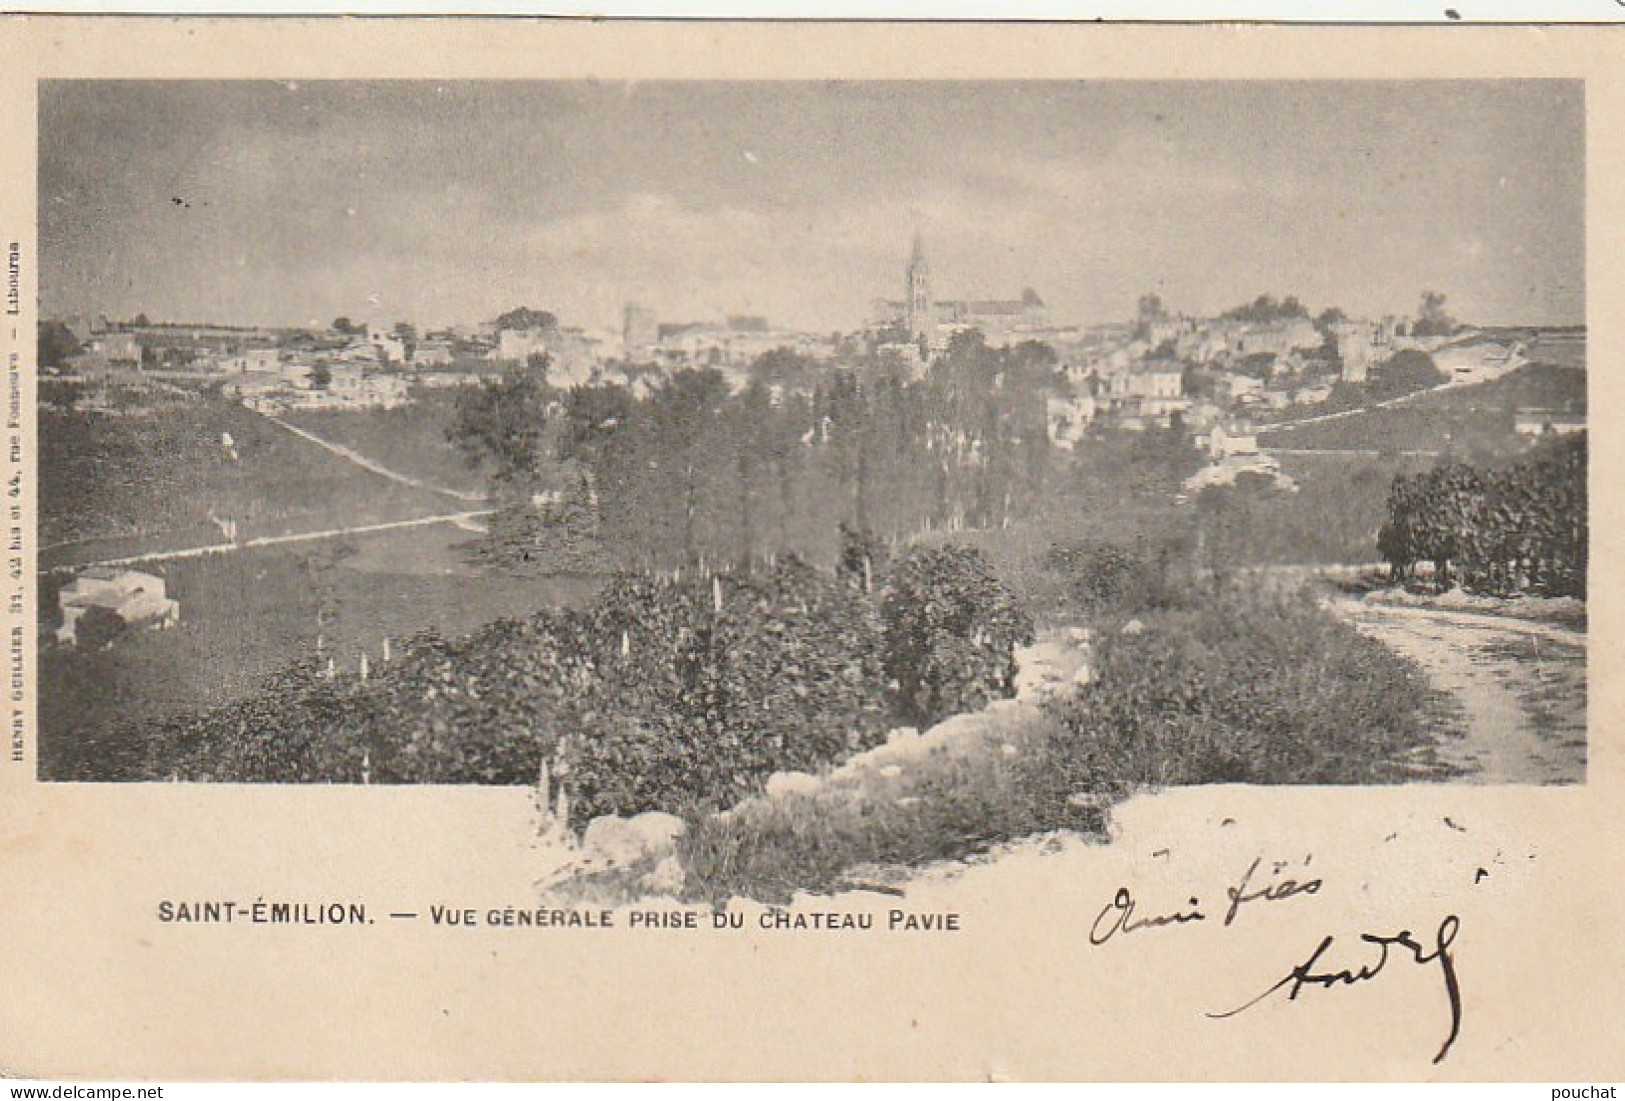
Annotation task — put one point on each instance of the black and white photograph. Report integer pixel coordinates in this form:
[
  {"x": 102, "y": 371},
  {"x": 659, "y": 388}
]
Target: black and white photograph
[
  {"x": 572, "y": 550},
  {"x": 798, "y": 484}
]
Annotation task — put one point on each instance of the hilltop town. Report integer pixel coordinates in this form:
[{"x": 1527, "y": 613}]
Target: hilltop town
[
  {"x": 1222, "y": 378},
  {"x": 523, "y": 502}
]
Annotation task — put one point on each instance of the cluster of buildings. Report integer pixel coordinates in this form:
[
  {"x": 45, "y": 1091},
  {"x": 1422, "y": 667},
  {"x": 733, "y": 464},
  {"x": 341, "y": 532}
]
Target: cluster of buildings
[
  {"x": 374, "y": 367},
  {"x": 134, "y": 366},
  {"x": 1156, "y": 372},
  {"x": 1199, "y": 372}
]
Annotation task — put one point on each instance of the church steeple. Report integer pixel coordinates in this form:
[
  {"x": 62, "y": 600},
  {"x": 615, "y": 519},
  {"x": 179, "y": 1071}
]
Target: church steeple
[{"x": 920, "y": 312}]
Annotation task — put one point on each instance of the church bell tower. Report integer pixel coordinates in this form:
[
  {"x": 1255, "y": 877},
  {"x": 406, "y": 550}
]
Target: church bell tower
[{"x": 920, "y": 314}]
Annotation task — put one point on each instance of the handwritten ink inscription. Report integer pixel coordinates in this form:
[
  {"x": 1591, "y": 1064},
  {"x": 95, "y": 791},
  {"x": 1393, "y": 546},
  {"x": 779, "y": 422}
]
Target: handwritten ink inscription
[
  {"x": 1124, "y": 915},
  {"x": 1119, "y": 915}
]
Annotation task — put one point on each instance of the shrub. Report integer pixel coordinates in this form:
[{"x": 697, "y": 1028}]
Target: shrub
[
  {"x": 701, "y": 690},
  {"x": 663, "y": 694},
  {"x": 293, "y": 731},
  {"x": 951, "y": 629},
  {"x": 1242, "y": 689},
  {"x": 479, "y": 710},
  {"x": 98, "y": 628},
  {"x": 1102, "y": 578}
]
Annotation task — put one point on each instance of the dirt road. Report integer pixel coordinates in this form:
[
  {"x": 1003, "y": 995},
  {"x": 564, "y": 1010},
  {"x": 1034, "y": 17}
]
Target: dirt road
[
  {"x": 468, "y": 521},
  {"x": 1521, "y": 687}
]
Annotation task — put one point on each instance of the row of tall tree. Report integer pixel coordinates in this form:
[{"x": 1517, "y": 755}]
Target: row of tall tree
[
  {"x": 1520, "y": 528},
  {"x": 695, "y": 472}
]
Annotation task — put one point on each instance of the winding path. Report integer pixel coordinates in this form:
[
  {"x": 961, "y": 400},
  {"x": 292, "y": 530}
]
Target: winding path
[{"x": 1520, "y": 684}]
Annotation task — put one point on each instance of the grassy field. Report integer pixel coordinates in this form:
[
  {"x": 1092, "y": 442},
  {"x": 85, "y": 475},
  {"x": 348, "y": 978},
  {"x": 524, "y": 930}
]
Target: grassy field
[
  {"x": 113, "y": 486},
  {"x": 410, "y": 440},
  {"x": 387, "y": 585}
]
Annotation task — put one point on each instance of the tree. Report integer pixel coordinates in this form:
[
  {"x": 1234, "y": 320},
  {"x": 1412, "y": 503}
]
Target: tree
[
  {"x": 500, "y": 422},
  {"x": 140, "y": 321},
  {"x": 56, "y": 344},
  {"x": 685, "y": 413},
  {"x": 345, "y": 327},
  {"x": 951, "y": 629},
  {"x": 1432, "y": 320},
  {"x": 321, "y": 376},
  {"x": 98, "y": 628},
  {"x": 782, "y": 366},
  {"x": 593, "y": 416},
  {"x": 1405, "y": 372},
  {"x": 1515, "y": 529},
  {"x": 1196, "y": 381},
  {"x": 1147, "y": 310},
  {"x": 526, "y": 318},
  {"x": 558, "y": 535},
  {"x": 1265, "y": 308},
  {"x": 1331, "y": 315}
]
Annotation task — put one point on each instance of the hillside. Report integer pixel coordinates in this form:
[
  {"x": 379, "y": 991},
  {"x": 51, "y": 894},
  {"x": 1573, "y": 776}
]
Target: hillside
[
  {"x": 410, "y": 440},
  {"x": 354, "y": 593},
  {"x": 1476, "y": 419},
  {"x": 124, "y": 485}
]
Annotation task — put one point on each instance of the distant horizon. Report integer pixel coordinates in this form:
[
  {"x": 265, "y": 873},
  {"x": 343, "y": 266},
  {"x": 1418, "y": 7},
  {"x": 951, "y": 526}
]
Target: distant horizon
[
  {"x": 288, "y": 204},
  {"x": 565, "y": 323}
]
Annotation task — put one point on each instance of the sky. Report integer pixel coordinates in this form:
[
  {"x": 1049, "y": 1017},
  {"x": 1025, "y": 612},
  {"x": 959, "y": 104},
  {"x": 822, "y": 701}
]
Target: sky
[{"x": 287, "y": 203}]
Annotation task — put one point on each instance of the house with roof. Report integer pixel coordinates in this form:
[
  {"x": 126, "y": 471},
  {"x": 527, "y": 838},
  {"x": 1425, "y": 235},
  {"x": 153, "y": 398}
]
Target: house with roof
[
  {"x": 138, "y": 599},
  {"x": 117, "y": 348},
  {"x": 1226, "y": 439},
  {"x": 1478, "y": 360}
]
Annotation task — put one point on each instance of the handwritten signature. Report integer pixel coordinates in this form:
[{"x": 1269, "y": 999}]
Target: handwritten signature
[{"x": 1305, "y": 973}]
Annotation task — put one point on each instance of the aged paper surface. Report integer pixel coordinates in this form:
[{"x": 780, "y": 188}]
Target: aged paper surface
[{"x": 377, "y": 929}]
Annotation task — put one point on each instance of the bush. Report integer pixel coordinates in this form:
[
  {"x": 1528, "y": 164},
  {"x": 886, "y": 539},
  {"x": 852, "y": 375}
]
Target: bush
[
  {"x": 1239, "y": 688},
  {"x": 558, "y": 536},
  {"x": 951, "y": 629},
  {"x": 663, "y": 694},
  {"x": 479, "y": 710},
  {"x": 701, "y": 690},
  {"x": 98, "y": 628},
  {"x": 1242, "y": 689},
  {"x": 1103, "y": 578},
  {"x": 297, "y": 729}
]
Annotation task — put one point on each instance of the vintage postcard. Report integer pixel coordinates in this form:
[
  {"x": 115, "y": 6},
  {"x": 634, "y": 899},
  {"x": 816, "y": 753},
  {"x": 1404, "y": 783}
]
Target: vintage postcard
[{"x": 558, "y": 550}]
